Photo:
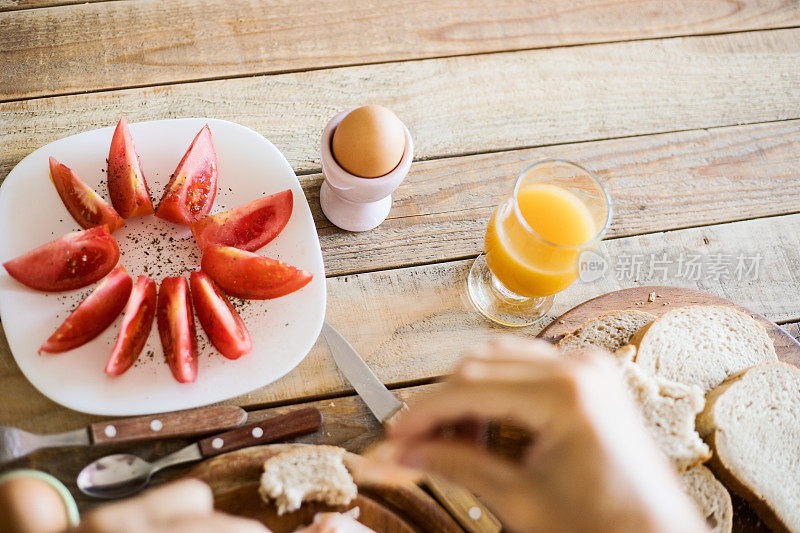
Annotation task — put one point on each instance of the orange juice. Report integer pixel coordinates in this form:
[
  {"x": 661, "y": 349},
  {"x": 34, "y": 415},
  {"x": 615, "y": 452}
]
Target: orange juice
[{"x": 544, "y": 263}]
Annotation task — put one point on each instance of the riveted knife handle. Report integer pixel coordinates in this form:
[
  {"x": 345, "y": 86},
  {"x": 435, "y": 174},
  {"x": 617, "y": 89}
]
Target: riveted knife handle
[
  {"x": 168, "y": 425},
  {"x": 282, "y": 427}
]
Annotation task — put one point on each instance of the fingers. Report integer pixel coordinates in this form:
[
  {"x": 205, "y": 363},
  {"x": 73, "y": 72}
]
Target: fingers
[
  {"x": 180, "y": 499},
  {"x": 538, "y": 400},
  {"x": 501, "y": 485},
  {"x": 380, "y": 467},
  {"x": 512, "y": 348},
  {"x": 211, "y": 523}
]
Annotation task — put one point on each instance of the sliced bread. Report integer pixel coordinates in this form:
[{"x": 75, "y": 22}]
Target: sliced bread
[
  {"x": 752, "y": 422},
  {"x": 609, "y": 331},
  {"x": 669, "y": 409},
  {"x": 711, "y": 496},
  {"x": 702, "y": 345},
  {"x": 308, "y": 473}
]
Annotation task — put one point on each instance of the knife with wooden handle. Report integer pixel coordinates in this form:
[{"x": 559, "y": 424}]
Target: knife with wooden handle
[
  {"x": 473, "y": 516},
  {"x": 15, "y": 443}
]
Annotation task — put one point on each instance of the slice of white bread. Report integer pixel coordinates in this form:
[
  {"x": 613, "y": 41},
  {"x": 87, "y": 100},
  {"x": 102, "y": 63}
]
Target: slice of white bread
[
  {"x": 702, "y": 345},
  {"x": 752, "y": 422},
  {"x": 308, "y": 473},
  {"x": 669, "y": 409},
  {"x": 609, "y": 331},
  {"x": 711, "y": 496}
]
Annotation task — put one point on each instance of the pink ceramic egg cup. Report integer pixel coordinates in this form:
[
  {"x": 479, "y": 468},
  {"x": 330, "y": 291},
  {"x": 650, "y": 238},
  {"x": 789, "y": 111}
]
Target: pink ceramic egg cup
[{"x": 354, "y": 203}]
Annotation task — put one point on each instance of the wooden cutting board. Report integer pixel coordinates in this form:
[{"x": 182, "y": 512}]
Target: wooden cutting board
[
  {"x": 234, "y": 479},
  {"x": 665, "y": 299}
]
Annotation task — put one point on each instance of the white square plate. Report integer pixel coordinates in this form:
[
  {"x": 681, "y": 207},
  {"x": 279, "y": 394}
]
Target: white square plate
[{"x": 283, "y": 330}]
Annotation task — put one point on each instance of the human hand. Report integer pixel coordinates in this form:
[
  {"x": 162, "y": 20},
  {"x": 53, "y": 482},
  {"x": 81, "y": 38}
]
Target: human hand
[
  {"x": 591, "y": 464},
  {"x": 183, "y": 506}
]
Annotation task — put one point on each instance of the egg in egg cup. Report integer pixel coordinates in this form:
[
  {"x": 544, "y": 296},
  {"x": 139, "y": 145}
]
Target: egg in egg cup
[{"x": 355, "y": 203}]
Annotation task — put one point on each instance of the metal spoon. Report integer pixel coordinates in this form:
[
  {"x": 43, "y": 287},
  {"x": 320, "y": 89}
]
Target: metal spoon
[{"x": 118, "y": 475}]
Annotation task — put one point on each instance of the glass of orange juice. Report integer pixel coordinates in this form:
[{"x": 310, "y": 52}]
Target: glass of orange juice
[{"x": 534, "y": 240}]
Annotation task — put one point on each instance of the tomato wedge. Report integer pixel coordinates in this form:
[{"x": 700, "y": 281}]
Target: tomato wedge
[
  {"x": 93, "y": 315},
  {"x": 192, "y": 188},
  {"x": 220, "y": 321},
  {"x": 246, "y": 275},
  {"x": 176, "y": 328},
  {"x": 70, "y": 262},
  {"x": 126, "y": 184},
  {"x": 249, "y": 226},
  {"x": 136, "y": 324},
  {"x": 85, "y": 205}
]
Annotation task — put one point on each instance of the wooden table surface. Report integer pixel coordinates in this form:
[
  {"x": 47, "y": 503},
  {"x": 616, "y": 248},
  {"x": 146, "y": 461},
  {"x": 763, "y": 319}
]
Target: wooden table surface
[{"x": 689, "y": 111}]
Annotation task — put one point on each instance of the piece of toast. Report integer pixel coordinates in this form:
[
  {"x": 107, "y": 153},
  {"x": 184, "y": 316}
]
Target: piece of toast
[
  {"x": 752, "y": 421},
  {"x": 609, "y": 331},
  {"x": 702, "y": 345},
  {"x": 312, "y": 473},
  {"x": 711, "y": 497}
]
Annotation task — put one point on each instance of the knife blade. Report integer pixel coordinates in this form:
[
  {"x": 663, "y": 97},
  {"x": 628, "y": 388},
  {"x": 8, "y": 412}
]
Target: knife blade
[{"x": 378, "y": 398}]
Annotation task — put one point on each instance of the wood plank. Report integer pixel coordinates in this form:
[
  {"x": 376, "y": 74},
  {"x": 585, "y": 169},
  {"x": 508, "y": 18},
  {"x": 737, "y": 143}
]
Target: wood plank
[
  {"x": 414, "y": 323},
  {"x": 146, "y": 42},
  {"x": 657, "y": 182},
  {"x": 471, "y": 104},
  {"x": 13, "y": 5}
]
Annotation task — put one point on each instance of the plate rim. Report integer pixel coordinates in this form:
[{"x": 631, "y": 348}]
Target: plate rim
[{"x": 307, "y": 345}]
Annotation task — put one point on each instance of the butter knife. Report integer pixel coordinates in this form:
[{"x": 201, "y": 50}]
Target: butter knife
[
  {"x": 16, "y": 443},
  {"x": 473, "y": 516},
  {"x": 383, "y": 404}
]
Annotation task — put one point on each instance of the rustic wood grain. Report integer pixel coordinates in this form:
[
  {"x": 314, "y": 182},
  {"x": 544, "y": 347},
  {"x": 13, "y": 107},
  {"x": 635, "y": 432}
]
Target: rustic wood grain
[
  {"x": 472, "y": 104},
  {"x": 459, "y": 502},
  {"x": 13, "y": 5},
  {"x": 657, "y": 183},
  {"x": 282, "y": 427},
  {"x": 415, "y": 323},
  {"x": 170, "y": 425},
  {"x": 147, "y": 42},
  {"x": 245, "y": 501}
]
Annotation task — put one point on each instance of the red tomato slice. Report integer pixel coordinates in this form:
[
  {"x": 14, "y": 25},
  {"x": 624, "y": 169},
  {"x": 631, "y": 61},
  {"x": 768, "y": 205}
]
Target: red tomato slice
[
  {"x": 247, "y": 275},
  {"x": 126, "y": 184},
  {"x": 220, "y": 321},
  {"x": 136, "y": 324},
  {"x": 93, "y": 315},
  {"x": 249, "y": 226},
  {"x": 176, "y": 328},
  {"x": 70, "y": 262},
  {"x": 85, "y": 205},
  {"x": 192, "y": 188}
]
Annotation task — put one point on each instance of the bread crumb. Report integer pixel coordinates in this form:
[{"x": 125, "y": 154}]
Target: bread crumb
[
  {"x": 651, "y": 297},
  {"x": 560, "y": 321},
  {"x": 312, "y": 473}
]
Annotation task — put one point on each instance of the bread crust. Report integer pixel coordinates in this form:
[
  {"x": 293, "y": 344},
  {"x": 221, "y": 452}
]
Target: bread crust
[{"x": 707, "y": 427}]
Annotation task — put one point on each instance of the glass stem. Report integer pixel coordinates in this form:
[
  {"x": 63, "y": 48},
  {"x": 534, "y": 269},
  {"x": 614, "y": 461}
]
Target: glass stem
[{"x": 505, "y": 293}]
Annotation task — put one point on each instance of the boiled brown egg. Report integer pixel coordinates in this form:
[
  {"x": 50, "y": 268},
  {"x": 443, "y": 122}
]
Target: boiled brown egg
[
  {"x": 369, "y": 141},
  {"x": 31, "y": 505}
]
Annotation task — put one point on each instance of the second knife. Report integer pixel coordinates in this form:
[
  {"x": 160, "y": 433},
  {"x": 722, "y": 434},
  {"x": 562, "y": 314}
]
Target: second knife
[{"x": 16, "y": 443}]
